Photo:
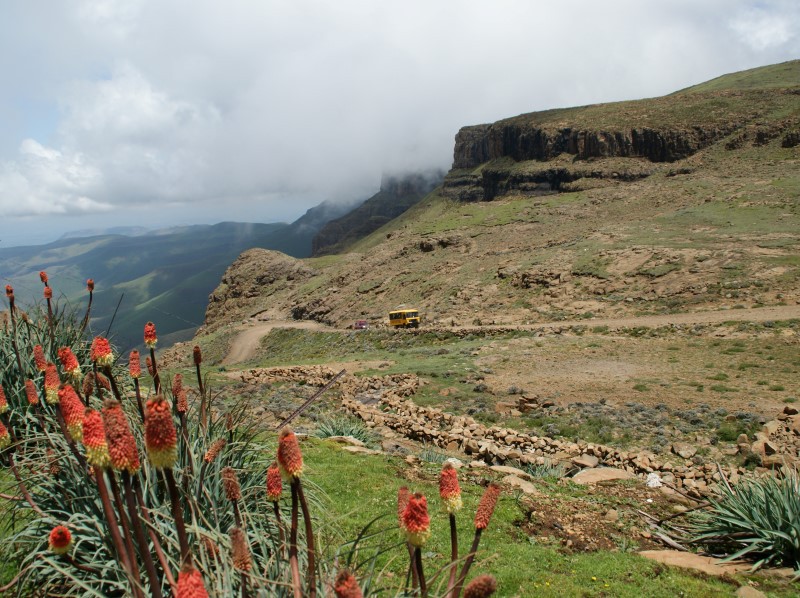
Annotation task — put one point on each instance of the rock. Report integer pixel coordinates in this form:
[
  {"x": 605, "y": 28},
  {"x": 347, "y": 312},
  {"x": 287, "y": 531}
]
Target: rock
[
  {"x": 771, "y": 427},
  {"x": 743, "y": 439},
  {"x": 612, "y": 516},
  {"x": 601, "y": 474},
  {"x": 687, "y": 451},
  {"x": 361, "y": 450},
  {"x": 586, "y": 461},
  {"x": 477, "y": 464},
  {"x": 748, "y": 592},
  {"x": 456, "y": 463},
  {"x": 524, "y": 485},
  {"x": 511, "y": 471},
  {"x": 689, "y": 560},
  {"x": 790, "y": 410}
]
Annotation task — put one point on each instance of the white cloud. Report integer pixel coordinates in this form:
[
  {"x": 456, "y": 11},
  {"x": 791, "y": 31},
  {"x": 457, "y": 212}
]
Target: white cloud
[{"x": 267, "y": 106}]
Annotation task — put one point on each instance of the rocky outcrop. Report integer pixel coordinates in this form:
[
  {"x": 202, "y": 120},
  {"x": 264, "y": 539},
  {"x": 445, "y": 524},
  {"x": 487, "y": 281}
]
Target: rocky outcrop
[
  {"x": 478, "y": 144},
  {"x": 256, "y": 273}
]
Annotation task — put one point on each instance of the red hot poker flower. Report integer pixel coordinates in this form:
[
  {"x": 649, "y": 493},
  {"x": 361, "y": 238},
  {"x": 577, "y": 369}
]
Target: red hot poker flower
[
  {"x": 240, "y": 551},
  {"x": 290, "y": 459},
  {"x": 60, "y": 540},
  {"x": 177, "y": 385},
  {"x": 274, "y": 483},
  {"x": 43, "y": 276},
  {"x": 9, "y": 291},
  {"x": 150, "y": 338},
  {"x": 230, "y": 483},
  {"x": 48, "y": 293},
  {"x": 416, "y": 521},
  {"x": 182, "y": 406},
  {"x": 3, "y": 401},
  {"x": 197, "y": 355},
  {"x": 214, "y": 450},
  {"x": 90, "y": 284},
  {"x": 135, "y": 365},
  {"x": 94, "y": 439},
  {"x": 449, "y": 490},
  {"x": 39, "y": 360},
  {"x": 482, "y": 586},
  {"x": 121, "y": 444},
  {"x": 101, "y": 351},
  {"x": 69, "y": 363},
  {"x": 486, "y": 506},
  {"x": 30, "y": 392},
  {"x": 346, "y": 586},
  {"x": 160, "y": 436},
  {"x": 73, "y": 410},
  {"x": 5, "y": 437},
  {"x": 51, "y": 383},
  {"x": 190, "y": 583}
]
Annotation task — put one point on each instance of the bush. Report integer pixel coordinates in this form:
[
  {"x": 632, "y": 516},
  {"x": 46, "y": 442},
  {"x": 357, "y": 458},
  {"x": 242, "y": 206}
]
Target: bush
[
  {"x": 759, "y": 520},
  {"x": 345, "y": 426}
]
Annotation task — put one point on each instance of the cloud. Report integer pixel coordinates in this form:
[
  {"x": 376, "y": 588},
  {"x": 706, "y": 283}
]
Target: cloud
[{"x": 263, "y": 107}]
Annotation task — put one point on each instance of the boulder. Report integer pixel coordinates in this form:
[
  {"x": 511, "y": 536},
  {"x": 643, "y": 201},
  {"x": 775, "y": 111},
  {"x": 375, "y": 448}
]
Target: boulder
[
  {"x": 689, "y": 560},
  {"x": 601, "y": 474},
  {"x": 585, "y": 461},
  {"x": 524, "y": 485},
  {"x": 686, "y": 451},
  {"x": 511, "y": 471}
]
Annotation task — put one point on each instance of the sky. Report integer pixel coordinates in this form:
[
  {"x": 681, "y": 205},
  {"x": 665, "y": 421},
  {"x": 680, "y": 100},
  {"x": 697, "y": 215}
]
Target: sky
[{"x": 169, "y": 112}]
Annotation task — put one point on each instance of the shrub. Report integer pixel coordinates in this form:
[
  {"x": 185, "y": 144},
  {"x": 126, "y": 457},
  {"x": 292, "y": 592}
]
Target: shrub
[
  {"x": 345, "y": 426},
  {"x": 759, "y": 520}
]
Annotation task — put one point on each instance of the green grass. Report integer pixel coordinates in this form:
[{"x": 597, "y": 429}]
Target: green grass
[{"x": 364, "y": 487}]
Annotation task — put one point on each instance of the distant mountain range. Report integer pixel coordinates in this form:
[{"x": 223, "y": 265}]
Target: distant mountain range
[{"x": 164, "y": 275}]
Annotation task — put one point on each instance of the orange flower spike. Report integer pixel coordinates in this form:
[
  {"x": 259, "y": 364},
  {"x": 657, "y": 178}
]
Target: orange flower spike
[
  {"x": 182, "y": 406},
  {"x": 90, "y": 284},
  {"x": 177, "y": 385},
  {"x": 48, "y": 293},
  {"x": 482, "y": 586},
  {"x": 290, "y": 459},
  {"x": 403, "y": 494},
  {"x": 486, "y": 506},
  {"x": 197, "y": 355},
  {"x": 274, "y": 483},
  {"x": 5, "y": 437},
  {"x": 150, "y": 338},
  {"x": 3, "y": 401},
  {"x": 51, "y": 384},
  {"x": 30, "y": 392},
  {"x": 449, "y": 490},
  {"x": 39, "y": 360},
  {"x": 230, "y": 483},
  {"x": 190, "y": 583},
  {"x": 346, "y": 586},
  {"x": 101, "y": 351},
  {"x": 9, "y": 291},
  {"x": 135, "y": 365},
  {"x": 94, "y": 439},
  {"x": 69, "y": 363},
  {"x": 240, "y": 551},
  {"x": 73, "y": 410},
  {"x": 121, "y": 444},
  {"x": 60, "y": 540},
  {"x": 160, "y": 436},
  {"x": 43, "y": 276},
  {"x": 214, "y": 450},
  {"x": 416, "y": 521}
]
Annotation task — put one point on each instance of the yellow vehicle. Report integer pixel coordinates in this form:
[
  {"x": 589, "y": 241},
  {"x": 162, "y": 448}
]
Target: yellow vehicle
[{"x": 404, "y": 318}]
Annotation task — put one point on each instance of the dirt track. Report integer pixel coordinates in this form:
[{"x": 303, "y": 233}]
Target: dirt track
[{"x": 246, "y": 344}]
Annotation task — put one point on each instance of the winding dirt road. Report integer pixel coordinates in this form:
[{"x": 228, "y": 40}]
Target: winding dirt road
[{"x": 245, "y": 345}]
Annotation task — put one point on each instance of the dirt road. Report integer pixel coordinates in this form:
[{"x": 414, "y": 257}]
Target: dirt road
[{"x": 246, "y": 344}]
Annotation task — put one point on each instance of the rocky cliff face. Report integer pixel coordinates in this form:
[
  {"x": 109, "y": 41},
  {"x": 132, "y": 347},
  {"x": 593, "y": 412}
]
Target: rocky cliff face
[
  {"x": 544, "y": 152},
  {"x": 479, "y": 144}
]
